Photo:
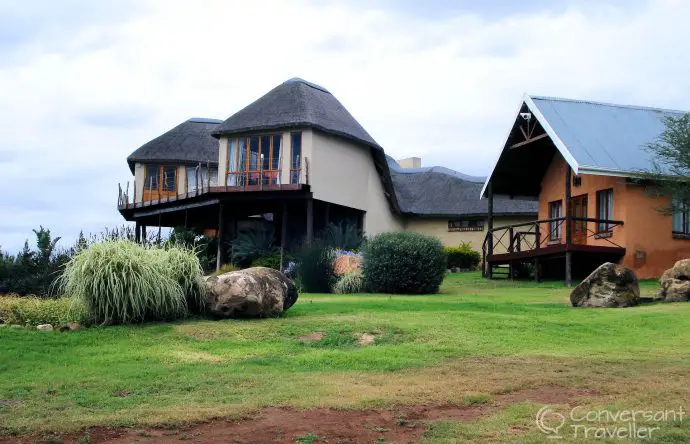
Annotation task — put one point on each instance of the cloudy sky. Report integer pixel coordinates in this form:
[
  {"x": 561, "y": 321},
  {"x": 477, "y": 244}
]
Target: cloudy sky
[{"x": 83, "y": 83}]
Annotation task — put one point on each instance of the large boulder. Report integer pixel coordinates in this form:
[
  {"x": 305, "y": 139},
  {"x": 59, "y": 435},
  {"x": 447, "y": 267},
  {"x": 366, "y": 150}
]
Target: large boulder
[
  {"x": 253, "y": 292},
  {"x": 610, "y": 285},
  {"x": 675, "y": 283}
]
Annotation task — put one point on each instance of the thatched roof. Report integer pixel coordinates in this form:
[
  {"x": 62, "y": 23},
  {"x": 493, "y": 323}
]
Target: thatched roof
[
  {"x": 189, "y": 142},
  {"x": 297, "y": 103},
  {"x": 441, "y": 192}
]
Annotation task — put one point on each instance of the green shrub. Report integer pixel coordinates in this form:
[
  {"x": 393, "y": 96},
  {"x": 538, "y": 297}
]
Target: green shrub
[
  {"x": 268, "y": 261},
  {"x": 350, "y": 283},
  {"x": 185, "y": 268},
  {"x": 315, "y": 269},
  {"x": 463, "y": 257},
  {"x": 252, "y": 244},
  {"x": 31, "y": 311},
  {"x": 408, "y": 263},
  {"x": 227, "y": 268},
  {"x": 123, "y": 282},
  {"x": 342, "y": 237}
]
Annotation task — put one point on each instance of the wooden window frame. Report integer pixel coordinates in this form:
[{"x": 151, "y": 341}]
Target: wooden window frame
[
  {"x": 685, "y": 234},
  {"x": 556, "y": 227},
  {"x": 472, "y": 225},
  {"x": 159, "y": 180},
  {"x": 603, "y": 227},
  {"x": 270, "y": 176}
]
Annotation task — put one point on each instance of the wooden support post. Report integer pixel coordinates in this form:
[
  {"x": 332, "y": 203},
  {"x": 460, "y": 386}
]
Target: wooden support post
[
  {"x": 568, "y": 227},
  {"x": 283, "y": 236},
  {"x": 144, "y": 237},
  {"x": 327, "y": 214},
  {"x": 511, "y": 240},
  {"x": 159, "y": 228},
  {"x": 137, "y": 232},
  {"x": 186, "y": 216},
  {"x": 220, "y": 253},
  {"x": 537, "y": 236},
  {"x": 310, "y": 220},
  {"x": 490, "y": 227},
  {"x": 537, "y": 278}
]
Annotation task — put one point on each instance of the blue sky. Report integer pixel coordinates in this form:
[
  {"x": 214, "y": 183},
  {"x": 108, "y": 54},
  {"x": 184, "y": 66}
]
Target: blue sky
[{"x": 84, "y": 83}]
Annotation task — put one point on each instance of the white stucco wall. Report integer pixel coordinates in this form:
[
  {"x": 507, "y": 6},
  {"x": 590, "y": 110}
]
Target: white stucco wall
[{"x": 343, "y": 172}]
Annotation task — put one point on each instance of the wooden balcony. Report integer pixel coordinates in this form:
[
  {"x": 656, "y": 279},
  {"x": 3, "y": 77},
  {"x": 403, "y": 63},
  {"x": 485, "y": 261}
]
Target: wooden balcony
[
  {"x": 241, "y": 182},
  {"x": 592, "y": 241}
]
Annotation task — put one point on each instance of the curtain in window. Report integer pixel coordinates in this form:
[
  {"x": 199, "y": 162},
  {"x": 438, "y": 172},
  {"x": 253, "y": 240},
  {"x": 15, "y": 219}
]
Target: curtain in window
[
  {"x": 191, "y": 179},
  {"x": 232, "y": 163}
]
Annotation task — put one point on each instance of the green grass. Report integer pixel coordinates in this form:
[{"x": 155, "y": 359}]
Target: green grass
[{"x": 469, "y": 345}]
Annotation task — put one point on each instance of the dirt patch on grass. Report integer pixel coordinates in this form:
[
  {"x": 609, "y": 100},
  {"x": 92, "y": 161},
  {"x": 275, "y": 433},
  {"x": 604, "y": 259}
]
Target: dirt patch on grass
[
  {"x": 313, "y": 336},
  {"x": 365, "y": 339},
  {"x": 287, "y": 425}
]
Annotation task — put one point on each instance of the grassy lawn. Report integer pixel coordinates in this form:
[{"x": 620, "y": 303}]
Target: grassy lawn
[{"x": 476, "y": 342}]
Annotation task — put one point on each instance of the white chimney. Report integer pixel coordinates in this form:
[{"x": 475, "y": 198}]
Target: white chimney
[{"x": 411, "y": 162}]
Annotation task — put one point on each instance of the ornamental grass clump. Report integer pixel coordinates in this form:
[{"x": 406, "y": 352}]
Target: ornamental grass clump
[{"x": 122, "y": 282}]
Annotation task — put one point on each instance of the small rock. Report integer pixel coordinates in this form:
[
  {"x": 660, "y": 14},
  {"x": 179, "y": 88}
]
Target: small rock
[
  {"x": 70, "y": 327},
  {"x": 16, "y": 326},
  {"x": 45, "y": 327},
  {"x": 610, "y": 285}
]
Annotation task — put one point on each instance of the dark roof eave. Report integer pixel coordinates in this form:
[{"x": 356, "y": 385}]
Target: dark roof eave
[
  {"x": 244, "y": 130},
  {"x": 468, "y": 215}
]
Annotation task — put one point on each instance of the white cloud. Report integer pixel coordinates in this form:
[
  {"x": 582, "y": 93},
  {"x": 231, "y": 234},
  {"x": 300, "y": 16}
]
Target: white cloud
[{"x": 76, "y": 101}]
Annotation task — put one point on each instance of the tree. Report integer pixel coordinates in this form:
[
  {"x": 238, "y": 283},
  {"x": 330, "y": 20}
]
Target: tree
[{"x": 671, "y": 163}]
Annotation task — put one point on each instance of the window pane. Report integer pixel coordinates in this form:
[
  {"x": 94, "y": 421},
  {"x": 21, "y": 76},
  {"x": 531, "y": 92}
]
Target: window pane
[
  {"x": 191, "y": 179},
  {"x": 275, "y": 160},
  {"x": 232, "y": 155},
  {"x": 169, "y": 178},
  {"x": 265, "y": 152},
  {"x": 151, "y": 181},
  {"x": 295, "y": 157}
]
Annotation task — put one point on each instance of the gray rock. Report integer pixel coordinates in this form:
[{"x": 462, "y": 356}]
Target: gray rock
[
  {"x": 44, "y": 327},
  {"x": 254, "y": 292},
  {"x": 610, "y": 285},
  {"x": 70, "y": 327},
  {"x": 675, "y": 283}
]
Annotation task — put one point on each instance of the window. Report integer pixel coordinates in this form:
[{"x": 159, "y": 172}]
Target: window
[
  {"x": 295, "y": 157},
  {"x": 152, "y": 176},
  {"x": 194, "y": 176},
  {"x": 160, "y": 178},
  {"x": 466, "y": 225},
  {"x": 577, "y": 181},
  {"x": 681, "y": 218},
  {"x": 555, "y": 226},
  {"x": 254, "y": 160},
  {"x": 604, "y": 210},
  {"x": 169, "y": 178}
]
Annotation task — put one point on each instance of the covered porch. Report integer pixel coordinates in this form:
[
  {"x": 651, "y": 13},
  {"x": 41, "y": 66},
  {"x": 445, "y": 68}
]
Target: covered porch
[{"x": 295, "y": 215}]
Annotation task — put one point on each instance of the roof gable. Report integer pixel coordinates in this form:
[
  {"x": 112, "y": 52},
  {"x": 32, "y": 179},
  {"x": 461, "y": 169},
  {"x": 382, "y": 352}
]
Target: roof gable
[{"x": 296, "y": 103}]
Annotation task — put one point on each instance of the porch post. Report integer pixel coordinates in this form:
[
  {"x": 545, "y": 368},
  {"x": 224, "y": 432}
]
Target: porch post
[
  {"x": 144, "y": 238},
  {"x": 220, "y": 253},
  {"x": 283, "y": 236},
  {"x": 137, "y": 232},
  {"x": 310, "y": 220},
  {"x": 490, "y": 227},
  {"x": 568, "y": 228}
]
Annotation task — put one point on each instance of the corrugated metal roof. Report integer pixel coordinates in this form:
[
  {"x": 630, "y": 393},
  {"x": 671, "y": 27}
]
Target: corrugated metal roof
[{"x": 601, "y": 136}]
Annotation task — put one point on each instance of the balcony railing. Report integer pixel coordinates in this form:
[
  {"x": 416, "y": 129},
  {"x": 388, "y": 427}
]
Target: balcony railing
[
  {"x": 539, "y": 234},
  {"x": 240, "y": 181}
]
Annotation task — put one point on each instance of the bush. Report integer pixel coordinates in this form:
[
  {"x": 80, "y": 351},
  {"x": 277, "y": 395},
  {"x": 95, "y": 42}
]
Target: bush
[
  {"x": 350, "y": 283},
  {"x": 268, "y": 261},
  {"x": 227, "y": 268},
  {"x": 315, "y": 268},
  {"x": 185, "y": 268},
  {"x": 463, "y": 257},
  {"x": 408, "y": 263},
  {"x": 252, "y": 244},
  {"x": 31, "y": 311},
  {"x": 343, "y": 236},
  {"x": 123, "y": 282}
]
